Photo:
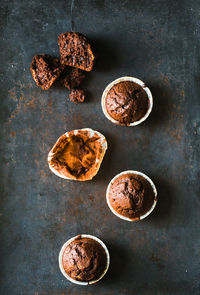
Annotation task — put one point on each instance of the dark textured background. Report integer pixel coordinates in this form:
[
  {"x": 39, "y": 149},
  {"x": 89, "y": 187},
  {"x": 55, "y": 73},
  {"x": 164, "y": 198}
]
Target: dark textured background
[{"x": 156, "y": 41}]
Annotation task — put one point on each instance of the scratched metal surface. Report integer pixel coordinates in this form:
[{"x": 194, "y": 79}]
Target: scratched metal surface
[{"x": 156, "y": 41}]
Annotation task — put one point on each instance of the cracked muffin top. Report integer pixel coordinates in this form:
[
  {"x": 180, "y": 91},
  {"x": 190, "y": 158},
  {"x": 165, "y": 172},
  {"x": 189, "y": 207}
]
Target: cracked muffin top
[
  {"x": 127, "y": 102},
  {"x": 84, "y": 259},
  {"x": 131, "y": 195}
]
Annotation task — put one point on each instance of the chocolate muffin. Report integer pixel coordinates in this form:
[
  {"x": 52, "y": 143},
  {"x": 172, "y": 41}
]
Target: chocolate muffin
[
  {"x": 127, "y": 102},
  {"x": 72, "y": 77},
  {"x": 45, "y": 70},
  {"x": 131, "y": 195},
  {"x": 76, "y": 51},
  {"x": 77, "y": 95},
  {"x": 84, "y": 259}
]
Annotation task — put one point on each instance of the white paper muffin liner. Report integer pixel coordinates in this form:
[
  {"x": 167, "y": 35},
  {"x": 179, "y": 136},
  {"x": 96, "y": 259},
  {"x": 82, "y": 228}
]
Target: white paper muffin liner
[
  {"x": 99, "y": 161},
  {"x": 61, "y": 264},
  {"x": 123, "y": 79},
  {"x": 137, "y": 173}
]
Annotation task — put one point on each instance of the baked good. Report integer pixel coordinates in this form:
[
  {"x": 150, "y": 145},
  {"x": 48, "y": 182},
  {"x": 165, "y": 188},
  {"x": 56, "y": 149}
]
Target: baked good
[
  {"x": 77, "y": 95},
  {"x": 131, "y": 195},
  {"x": 72, "y": 77},
  {"x": 84, "y": 259},
  {"x": 45, "y": 70},
  {"x": 76, "y": 51},
  {"x": 78, "y": 154},
  {"x": 126, "y": 102}
]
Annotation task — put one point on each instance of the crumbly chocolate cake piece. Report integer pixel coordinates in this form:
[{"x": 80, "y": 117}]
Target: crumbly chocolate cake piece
[
  {"x": 127, "y": 102},
  {"x": 72, "y": 77},
  {"x": 76, "y": 51},
  {"x": 45, "y": 70},
  {"x": 84, "y": 259},
  {"x": 77, "y": 95},
  {"x": 131, "y": 196}
]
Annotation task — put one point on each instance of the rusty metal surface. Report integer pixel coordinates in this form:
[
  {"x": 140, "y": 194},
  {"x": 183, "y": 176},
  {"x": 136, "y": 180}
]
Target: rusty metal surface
[{"x": 156, "y": 41}]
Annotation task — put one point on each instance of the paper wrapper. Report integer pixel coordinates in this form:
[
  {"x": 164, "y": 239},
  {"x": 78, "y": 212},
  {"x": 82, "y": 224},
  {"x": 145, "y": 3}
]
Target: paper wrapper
[{"x": 90, "y": 133}]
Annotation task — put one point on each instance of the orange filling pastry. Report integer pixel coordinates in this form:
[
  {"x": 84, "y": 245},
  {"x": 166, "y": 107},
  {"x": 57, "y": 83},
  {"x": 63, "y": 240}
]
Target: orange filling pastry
[{"x": 78, "y": 154}]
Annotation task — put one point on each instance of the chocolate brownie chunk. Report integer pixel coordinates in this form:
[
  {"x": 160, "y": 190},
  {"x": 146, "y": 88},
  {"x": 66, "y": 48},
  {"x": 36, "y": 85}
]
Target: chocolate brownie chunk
[
  {"x": 127, "y": 102},
  {"x": 76, "y": 51},
  {"x": 71, "y": 77},
  {"x": 45, "y": 70},
  {"x": 77, "y": 95},
  {"x": 84, "y": 259}
]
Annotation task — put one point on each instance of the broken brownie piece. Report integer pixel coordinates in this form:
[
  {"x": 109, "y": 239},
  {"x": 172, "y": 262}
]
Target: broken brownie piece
[
  {"x": 72, "y": 77},
  {"x": 76, "y": 51},
  {"x": 45, "y": 70},
  {"x": 77, "y": 95}
]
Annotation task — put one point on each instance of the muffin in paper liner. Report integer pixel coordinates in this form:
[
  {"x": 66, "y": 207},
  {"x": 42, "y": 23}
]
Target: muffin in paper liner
[
  {"x": 126, "y": 79},
  {"x": 60, "y": 260},
  {"x": 149, "y": 181}
]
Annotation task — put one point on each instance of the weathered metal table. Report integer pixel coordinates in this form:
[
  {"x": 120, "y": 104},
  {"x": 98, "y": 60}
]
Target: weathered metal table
[{"x": 156, "y": 41}]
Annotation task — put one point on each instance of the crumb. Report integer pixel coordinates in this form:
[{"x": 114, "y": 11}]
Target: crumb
[{"x": 77, "y": 95}]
